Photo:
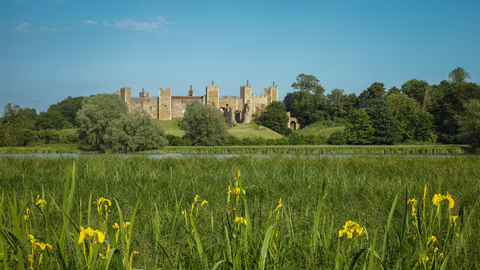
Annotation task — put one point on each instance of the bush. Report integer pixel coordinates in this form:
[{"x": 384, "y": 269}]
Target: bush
[
  {"x": 337, "y": 138},
  {"x": 204, "y": 125}
]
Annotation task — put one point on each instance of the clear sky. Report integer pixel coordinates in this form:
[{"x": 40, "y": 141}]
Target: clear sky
[{"x": 50, "y": 50}]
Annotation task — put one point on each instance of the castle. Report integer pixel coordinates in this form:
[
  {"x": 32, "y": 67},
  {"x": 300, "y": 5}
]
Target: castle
[{"x": 235, "y": 109}]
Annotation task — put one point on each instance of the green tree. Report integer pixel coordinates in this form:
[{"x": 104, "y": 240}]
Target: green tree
[
  {"x": 337, "y": 103},
  {"x": 204, "y": 125},
  {"x": 469, "y": 123},
  {"x": 415, "y": 123},
  {"x": 16, "y": 125},
  {"x": 393, "y": 90},
  {"x": 458, "y": 75},
  {"x": 96, "y": 115},
  {"x": 134, "y": 132},
  {"x": 385, "y": 125},
  {"x": 274, "y": 117},
  {"x": 359, "y": 130},
  {"x": 373, "y": 95},
  {"x": 51, "y": 119},
  {"x": 415, "y": 89},
  {"x": 308, "y": 83}
]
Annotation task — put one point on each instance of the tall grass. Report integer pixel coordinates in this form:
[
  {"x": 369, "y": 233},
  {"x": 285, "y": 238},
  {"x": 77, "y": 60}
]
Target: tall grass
[{"x": 318, "y": 196}]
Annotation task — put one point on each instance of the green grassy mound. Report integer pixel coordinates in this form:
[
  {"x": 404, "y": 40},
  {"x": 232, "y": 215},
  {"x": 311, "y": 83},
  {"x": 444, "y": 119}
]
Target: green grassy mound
[
  {"x": 253, "y": 130},
  {"x": 319, "y": 129}
]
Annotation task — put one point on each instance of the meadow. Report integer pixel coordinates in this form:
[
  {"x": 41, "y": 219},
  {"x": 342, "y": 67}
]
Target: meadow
[{"x": 250, "y": 213}]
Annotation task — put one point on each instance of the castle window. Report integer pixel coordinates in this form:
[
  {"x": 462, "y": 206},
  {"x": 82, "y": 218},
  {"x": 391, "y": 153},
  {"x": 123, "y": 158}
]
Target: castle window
[{"x": 173, "y": 111}]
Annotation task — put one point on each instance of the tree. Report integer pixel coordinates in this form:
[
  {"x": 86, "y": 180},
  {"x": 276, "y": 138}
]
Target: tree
[
  {"x": 337, "y": 138},
  {"x": 274, "y": 117},
  {"x": 204, "y": 125},
  {"x": 373, "y": 95},
  {"x": 308, "y": 83},
  {"x": 16, "y": 125},
  {"x": 337, "y": 103},
  {"x": 415, "y": 89},
  {"x": 415, "y": 123},
  {"x": 134, "y": 132},
  {"x": 288, "y": 101},
  {"x": 393, "y": 90},
  {"x": 359, "y": 130},
  {"x": 458, "y": 75},
  {"x": 385, "y": 125},
  {"x": 69, "y": 108},
  {"x": 470, "y": 123},
  {"x": 51, "y": 119},
  {"x": 96, "y": 115}
]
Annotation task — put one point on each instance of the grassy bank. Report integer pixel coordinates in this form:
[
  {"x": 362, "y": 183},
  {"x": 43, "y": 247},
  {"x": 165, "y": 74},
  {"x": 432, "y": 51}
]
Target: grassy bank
[{"x": 318, "y": 196}]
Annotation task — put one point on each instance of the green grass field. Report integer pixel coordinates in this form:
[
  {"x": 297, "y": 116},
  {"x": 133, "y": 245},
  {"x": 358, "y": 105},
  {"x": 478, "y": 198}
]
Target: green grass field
[{"x": 318, "y": 196}]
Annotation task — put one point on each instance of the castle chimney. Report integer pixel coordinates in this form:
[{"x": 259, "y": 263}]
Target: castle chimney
[
  {"x": 212, "y": 83},
  {"x": 273, "y": 84},
  {"x": 247, "y": 82},
  {"x": 190, "y": 87}
]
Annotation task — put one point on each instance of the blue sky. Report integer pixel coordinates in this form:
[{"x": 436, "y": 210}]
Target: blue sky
[{"x": 50, "y": 50}]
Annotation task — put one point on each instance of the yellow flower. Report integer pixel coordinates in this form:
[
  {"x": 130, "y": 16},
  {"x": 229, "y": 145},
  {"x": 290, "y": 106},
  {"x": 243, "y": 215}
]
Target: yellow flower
[
  {"x": 453, "y": 219},
  {"x": 350, "y": 228},
  {"x": 125, "y": 225},
  {"x": 31, "y": 239},
  {"x": 425, "y": 192},
  {"x": 412, "y": 201},
  {"x": 279, "y": 205},
  {"x": 238, "y": 174},
  {"x": 42, "y": 246},
  {"x": 240, "y": 220},
  {"x": 237, "y": 191},
  {"x": 441, "y": 255},
  {"x": 432, "y": 239},
  {"x": 451, "y": 202},
  {"x": 204, "y": 202},
  {"x": 196, "y": 198},
  {"x": 88, "y": 233},
  {"x": 437, "y": 199},
  {"x": 40, "y": 202},
  {"x": 229, "y": 190},
  {"x": 115, "y": 226}
]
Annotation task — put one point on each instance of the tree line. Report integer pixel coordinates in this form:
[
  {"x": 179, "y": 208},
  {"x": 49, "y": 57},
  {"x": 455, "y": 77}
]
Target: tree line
[
  {"x": 445, "y": 113},
  {"x": 417, "y": 112}
]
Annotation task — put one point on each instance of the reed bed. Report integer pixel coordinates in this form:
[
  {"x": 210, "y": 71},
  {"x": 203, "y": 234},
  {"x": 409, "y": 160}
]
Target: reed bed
[
  {"x": 318, "y": 149},
  {"x": 250, "y": 213}
]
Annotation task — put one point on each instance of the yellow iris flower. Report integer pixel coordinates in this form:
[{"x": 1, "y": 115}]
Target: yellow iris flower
[
  {"x": 237, "y": 191},
  {"x": 453, "y": 219},
  {"x": 204, "y": 202},
  {"x": 451, "y": 202},
  {"x": 40, "y": 202},
  {"x": 437, "y": 199},
  {"x": 412, "y": 201},
  {"x": 42, "y": 246},
  {"x": 240, "y": 220},
  {"x": 88, "y": 234},
  {"x": 350, "y": 228}
]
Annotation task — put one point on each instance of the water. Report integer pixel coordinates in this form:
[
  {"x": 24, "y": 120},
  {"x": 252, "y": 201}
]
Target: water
[{"x": 161, "y": 156}]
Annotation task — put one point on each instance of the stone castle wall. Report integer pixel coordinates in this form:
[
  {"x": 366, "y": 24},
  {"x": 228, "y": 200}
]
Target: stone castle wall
[{"x": 166, "y": 106}]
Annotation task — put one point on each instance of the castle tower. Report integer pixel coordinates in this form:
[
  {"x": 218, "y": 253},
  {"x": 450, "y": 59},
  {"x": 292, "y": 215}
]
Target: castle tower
[
  {"x": 271, "y": 93},
  {"x": 246, "y": 97},
  {"x": 126, "y": 95},
  {"x": 143, "y": 94},
  {"x": 164, "y": 104},
  {"x": 212, "y": 96}
]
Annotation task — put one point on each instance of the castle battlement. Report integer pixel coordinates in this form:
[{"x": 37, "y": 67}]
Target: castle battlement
[{"x": 166, "y": 106}]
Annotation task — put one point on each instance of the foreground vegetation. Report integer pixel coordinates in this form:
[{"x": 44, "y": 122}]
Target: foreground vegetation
[{"x": 282, "y": 213}]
